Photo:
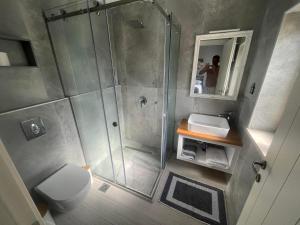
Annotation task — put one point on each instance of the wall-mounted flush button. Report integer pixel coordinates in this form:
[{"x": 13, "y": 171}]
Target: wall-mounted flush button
[{"x": 33, "y": 128}]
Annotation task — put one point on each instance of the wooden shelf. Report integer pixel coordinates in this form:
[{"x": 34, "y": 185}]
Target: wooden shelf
[{"x": 232, "y": 138}]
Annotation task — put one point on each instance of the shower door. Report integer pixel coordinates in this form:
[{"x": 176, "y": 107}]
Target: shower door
[
  {"x": 137, "y": 42},
  {"x": 86, "y": 74}
]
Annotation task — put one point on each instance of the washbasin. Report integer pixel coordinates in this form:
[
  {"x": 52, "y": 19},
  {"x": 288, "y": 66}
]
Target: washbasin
[{"x": 213, "y": 125}]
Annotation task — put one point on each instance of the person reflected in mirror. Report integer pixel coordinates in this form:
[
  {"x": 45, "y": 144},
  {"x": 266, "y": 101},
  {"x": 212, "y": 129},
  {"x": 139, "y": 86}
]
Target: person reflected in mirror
[{"x": 212, "y": 72}]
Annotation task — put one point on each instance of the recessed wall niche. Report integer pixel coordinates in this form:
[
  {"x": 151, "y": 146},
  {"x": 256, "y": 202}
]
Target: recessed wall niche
[{"x": 16, "y": 52}]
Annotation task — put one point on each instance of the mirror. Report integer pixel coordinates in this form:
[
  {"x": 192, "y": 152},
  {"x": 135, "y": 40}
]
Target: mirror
[{"x": 219, "y": 62}]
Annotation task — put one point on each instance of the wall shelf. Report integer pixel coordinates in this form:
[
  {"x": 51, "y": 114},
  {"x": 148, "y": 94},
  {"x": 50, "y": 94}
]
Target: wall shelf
[{"x": 16, "y": 52}]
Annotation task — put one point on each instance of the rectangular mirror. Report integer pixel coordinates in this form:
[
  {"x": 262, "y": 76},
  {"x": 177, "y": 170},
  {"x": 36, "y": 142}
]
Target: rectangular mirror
[{"x": 219, "y": 61}]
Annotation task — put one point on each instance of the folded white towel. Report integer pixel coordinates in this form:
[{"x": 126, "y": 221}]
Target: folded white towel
[
  {"x": 189, "y": 153},
  {"x": 188, "y": 157},
  {"x": 216, "y": 157}
]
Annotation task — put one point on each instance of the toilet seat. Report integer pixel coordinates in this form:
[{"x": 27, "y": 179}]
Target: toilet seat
[{"x": 65, "y": 186}]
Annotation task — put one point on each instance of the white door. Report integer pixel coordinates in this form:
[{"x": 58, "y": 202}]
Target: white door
[
  {"x": 16, "y": 205},
  {"x": 286, "y": 207},
  {"x": 281, "y": 159},
  {"x": 225, "y": 66}
]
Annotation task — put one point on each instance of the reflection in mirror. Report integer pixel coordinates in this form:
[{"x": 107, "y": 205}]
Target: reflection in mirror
[{"x": 218, "y": 65}]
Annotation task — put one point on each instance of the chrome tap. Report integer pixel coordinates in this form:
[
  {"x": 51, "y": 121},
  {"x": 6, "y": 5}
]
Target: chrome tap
[
  {"x": 228, "y": 115},
  {"x": 142, "y": 101}
]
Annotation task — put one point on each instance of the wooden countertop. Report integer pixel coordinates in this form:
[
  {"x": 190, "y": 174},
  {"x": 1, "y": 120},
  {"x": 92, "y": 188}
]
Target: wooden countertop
[{"x": 232, "y": 138}]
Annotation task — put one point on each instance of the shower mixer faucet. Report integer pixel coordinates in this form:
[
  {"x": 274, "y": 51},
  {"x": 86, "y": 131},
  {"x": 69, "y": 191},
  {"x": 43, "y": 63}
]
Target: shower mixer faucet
[{"x": 142, "y": 101}]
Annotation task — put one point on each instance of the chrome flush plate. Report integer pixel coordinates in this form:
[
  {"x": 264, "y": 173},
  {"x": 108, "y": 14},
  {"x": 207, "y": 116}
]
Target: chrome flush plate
[{"x": 33, "y": 128}]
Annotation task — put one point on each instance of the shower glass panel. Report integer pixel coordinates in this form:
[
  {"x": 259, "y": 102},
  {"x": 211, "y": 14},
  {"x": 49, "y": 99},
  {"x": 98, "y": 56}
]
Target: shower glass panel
[
  {"x": 172, "y": 47},
  {"x": 75, "y": 54},
  {"x": 138, "y": 32},
  {"x": 99, "y": 26},
  {"x": 118, "y": 67}
]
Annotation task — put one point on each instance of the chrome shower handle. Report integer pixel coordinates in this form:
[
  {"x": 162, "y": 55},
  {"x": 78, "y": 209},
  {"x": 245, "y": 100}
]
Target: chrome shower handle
[{"x": 142, "y": 101}]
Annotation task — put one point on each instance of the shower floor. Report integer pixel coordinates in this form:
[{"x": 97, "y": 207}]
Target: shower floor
[{"x": 142, "y": 170}]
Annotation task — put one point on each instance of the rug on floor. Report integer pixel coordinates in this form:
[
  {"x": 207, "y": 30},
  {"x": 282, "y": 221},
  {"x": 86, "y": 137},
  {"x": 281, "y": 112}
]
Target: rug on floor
[{"x": 196, "y": 199}]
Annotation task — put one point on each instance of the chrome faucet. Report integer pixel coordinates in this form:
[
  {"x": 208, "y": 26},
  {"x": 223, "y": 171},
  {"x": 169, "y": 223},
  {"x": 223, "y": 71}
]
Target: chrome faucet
[
  {"x": 228, "y": 115},
  {"x": 142, "y": 101}
]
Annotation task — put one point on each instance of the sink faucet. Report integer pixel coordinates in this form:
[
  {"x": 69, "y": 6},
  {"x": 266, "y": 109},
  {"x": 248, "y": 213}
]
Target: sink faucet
[{"x": 228, "y": 115}]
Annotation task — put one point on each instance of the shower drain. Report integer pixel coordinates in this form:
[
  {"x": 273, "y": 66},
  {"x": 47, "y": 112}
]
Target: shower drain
[{"x": 104, "y": 187}]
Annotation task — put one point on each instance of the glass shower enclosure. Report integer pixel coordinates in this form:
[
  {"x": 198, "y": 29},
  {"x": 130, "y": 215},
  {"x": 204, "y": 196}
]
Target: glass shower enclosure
[{"x": 118, "y": 65}]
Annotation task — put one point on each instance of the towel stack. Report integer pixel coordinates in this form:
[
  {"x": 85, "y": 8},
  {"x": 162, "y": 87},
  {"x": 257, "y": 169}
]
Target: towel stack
[
  {"x": 216, "y": 156},
  {"x": 213, "y": 155},
  {"x": 189, "y": 150}
]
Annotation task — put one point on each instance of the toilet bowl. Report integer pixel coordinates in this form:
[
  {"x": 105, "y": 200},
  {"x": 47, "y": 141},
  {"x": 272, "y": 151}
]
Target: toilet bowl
[{"x": 66, "y": 188}]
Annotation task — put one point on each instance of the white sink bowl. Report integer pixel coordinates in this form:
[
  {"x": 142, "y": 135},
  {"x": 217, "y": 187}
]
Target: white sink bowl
[{"x": 213, "y": 125}]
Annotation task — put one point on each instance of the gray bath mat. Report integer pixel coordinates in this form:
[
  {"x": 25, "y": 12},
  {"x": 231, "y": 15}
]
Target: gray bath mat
[{"x": 198, "y": 200}]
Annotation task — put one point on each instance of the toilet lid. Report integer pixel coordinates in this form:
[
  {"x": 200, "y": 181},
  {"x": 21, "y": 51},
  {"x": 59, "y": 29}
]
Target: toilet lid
[{"x": 65, "y": 183}]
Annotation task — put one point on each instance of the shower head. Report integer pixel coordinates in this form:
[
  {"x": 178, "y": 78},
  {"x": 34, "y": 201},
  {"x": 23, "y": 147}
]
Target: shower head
[{"x": 136, "y": 24}]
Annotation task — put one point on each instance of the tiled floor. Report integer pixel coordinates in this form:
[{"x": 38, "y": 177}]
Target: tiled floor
[{"x": 119, "y": 207}]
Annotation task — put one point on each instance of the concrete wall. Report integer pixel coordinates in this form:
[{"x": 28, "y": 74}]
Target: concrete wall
[
  {"x": 40, "y": 157},
  {"x": 23, "y": 88},
  {"x": 200, "y": 17},
  {"x": 282, "y": 72}
]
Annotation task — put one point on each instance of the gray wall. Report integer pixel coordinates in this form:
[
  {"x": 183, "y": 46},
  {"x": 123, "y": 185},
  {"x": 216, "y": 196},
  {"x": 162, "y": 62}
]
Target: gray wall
[
  {"x": 200, "y": 17},
  {"x": 25, "y": 86},
  {"x": 263, "y": 50},
  {"x": 282, "y": 72},
  {"x": 40, "y": 157},
  {"x": 243, "y": 177}
]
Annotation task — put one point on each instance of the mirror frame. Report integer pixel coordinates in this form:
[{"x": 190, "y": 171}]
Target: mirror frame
[{"x": 215, "y": 36}]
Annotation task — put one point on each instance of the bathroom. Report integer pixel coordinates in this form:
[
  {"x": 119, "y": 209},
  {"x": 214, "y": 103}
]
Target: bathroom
[{"x": 107, "y": 89}]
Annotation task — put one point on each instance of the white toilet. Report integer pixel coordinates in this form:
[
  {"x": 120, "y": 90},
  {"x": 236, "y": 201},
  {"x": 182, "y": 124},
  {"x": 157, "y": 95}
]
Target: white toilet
[{"x": 66, "y": 188}]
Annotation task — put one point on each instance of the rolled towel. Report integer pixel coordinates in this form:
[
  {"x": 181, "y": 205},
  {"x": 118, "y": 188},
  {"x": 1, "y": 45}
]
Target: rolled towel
[
  {"x": 216, "y": 157},
  {"x": 188, "y": 157},
  {"x": 189, "y": 154},
  {"x": 189, "y": 150}
]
